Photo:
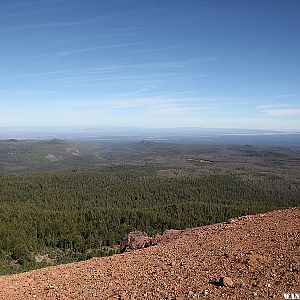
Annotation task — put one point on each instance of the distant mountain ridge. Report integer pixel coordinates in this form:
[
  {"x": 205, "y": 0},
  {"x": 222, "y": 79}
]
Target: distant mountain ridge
[{"x": 175, "y": 135}]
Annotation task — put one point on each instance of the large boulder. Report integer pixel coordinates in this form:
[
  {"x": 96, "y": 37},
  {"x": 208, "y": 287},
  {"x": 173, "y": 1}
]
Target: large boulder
[{"x": 135, "y": 240}]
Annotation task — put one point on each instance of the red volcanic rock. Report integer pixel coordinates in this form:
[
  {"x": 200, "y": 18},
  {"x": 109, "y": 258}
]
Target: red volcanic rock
[{"x": 135, "y": 240}]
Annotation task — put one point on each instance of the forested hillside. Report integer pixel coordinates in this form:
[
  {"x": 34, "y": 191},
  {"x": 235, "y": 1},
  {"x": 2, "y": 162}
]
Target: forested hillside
[{"x": 76, "y": 214}]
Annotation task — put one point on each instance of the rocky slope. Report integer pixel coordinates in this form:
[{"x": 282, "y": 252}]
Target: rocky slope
[{"x": 253, "y": 257}]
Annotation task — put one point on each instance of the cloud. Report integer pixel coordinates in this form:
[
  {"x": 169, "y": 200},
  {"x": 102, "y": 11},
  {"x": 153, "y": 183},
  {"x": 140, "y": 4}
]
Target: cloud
[
  {"x": 282, "y": 112},
  {"x": 134, "y": 100},
  {"x": 55, "y": 24},
  {"x": 49, "y": 73},
  {"x": 279, "y": 110},
  {"x": 60, "y": 54},
  {"x": 105, "y": 33},
  {"x": 284, "y": 96},
  {"x": 165, "y": 48},
  {"x": 20, "y": 92},
  {"x": 32, "y": 3},
  {"x": 62, "y": 24},
  {"x": 40, "y": 11},
  {"x": 258, "y": 35}
]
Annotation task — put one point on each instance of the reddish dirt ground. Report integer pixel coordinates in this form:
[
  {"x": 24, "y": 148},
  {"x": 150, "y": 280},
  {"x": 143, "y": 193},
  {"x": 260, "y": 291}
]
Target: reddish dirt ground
[{"x": 260, "y": 254}]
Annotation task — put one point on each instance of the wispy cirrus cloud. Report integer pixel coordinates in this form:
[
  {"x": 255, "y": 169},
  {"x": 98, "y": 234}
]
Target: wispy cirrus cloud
[
  {"x": 284, "y": 96},
  {"x": 62, "y": 23},
  {"x": 108, "y": 33},
  {"x": 26, "y": 92},
  {"x": 32, "y": 3},
  {"x": 47, "y": 25},
  {"x": 136, "y": 76},
  {"x": 38, "y": 11},
  {"x": 280, "y": 110},
  {"x": 134, "y": 100},
  {"x": 164, "y": 48},
  {"x": 135, "y": 79},
  {"x": 65, "y": 53}
]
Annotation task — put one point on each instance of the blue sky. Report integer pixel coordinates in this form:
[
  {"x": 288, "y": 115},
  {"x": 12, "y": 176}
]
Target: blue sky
[{"x": 150, "y": 63}]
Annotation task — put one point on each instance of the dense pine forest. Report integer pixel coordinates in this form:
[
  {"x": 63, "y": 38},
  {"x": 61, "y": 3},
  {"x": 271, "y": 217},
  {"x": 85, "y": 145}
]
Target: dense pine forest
[{"x": 64, "y": 201}]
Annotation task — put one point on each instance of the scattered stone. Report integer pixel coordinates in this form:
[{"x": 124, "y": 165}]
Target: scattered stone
[
  {"x": 17, "y": 263},
  {"x": 52, "y": 158},
  {"x": 38, "y": 258},
  {"x": 226, "y": 281},
  {"x": 49, "y": 287}
]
